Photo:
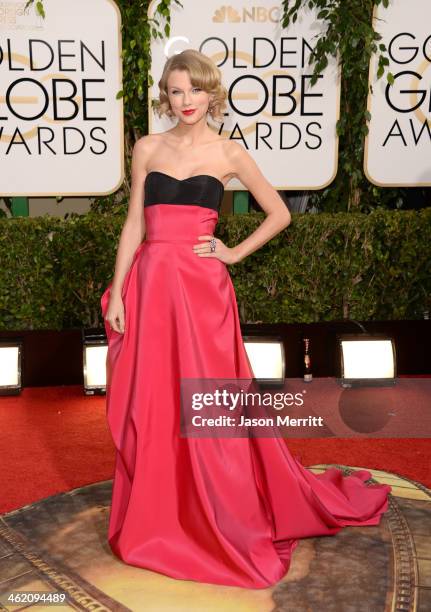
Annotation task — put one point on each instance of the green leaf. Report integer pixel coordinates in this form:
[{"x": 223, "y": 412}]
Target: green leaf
[{"x": 40, "y": 10}]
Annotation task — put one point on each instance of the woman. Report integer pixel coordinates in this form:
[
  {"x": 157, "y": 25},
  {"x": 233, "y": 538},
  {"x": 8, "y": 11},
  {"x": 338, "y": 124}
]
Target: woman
[{"x": 219, "y": 510}]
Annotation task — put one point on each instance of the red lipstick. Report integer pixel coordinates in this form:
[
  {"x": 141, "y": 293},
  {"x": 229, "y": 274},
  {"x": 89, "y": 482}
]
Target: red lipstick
[{"x": 189, "y": 111}]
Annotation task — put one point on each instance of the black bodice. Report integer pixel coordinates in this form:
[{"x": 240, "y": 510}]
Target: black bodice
[{"x": 201, "y": 190}]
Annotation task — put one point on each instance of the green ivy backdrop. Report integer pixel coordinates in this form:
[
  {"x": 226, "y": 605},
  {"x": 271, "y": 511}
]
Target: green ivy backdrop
[
  {"x": 348, "y": 34},
  {"x": 323, "y": 267}
]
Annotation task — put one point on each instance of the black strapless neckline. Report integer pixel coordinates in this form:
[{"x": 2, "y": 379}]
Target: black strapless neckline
[
  {"x": 203, "y": 190},
  {"x": 189, "y": 178}
]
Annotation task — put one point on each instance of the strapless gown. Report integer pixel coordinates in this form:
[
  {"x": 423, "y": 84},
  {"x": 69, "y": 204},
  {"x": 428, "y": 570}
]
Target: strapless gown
[{"x": 218, "y": 510}]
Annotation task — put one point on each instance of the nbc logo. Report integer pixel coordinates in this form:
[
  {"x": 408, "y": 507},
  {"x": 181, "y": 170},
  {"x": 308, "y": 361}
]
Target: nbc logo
[{"x": 256, "y": 14}]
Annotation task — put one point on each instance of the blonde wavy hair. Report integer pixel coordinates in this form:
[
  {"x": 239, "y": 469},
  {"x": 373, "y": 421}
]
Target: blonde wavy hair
[{"x": 203, "y": 74}]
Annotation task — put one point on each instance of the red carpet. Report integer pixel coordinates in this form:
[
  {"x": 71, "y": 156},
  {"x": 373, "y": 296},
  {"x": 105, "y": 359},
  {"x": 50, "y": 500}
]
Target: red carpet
[{"x": 53, "y": 439}]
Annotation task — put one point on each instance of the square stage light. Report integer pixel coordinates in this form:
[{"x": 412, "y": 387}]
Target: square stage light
[
  {"x": 10, "y": 366},
  {"x": 367, "y": 359},
  {"x": 267, "y": 359},
  {"x": 95, "y": 348}
]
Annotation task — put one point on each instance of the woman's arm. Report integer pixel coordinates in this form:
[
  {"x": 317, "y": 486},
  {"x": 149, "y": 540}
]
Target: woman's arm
[
  {"x": 243, "y": 166},
  {"x": 277, "y": 214},
  {"x": 133, "y": 231}
]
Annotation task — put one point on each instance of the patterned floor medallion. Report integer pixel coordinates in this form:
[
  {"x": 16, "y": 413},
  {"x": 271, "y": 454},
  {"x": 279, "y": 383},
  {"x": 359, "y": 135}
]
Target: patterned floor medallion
[{"x": 58, "y": 545}]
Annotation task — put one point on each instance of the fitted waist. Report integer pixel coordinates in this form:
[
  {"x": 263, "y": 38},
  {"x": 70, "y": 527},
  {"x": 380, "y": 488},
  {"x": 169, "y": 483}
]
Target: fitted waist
[
  {"x": 179, "y": 223},
  {"x": 175, "y": 240}
]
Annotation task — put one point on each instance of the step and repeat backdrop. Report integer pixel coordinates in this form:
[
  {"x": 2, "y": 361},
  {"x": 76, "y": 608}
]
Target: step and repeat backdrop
[
  {"x": 61, "y": 124},
  {"x": 398, "y": 147}
]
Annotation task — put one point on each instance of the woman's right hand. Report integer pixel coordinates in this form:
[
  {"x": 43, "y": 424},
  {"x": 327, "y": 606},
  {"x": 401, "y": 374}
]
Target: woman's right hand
[{"x": 115, "y": 313}]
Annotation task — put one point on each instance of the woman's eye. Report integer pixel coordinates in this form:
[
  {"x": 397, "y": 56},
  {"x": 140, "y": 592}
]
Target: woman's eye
[{"x": 175, "y": 91}]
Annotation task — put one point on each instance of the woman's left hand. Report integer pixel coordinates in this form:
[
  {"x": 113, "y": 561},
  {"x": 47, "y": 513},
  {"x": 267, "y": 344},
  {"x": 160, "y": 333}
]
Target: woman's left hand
[{"x": 226, "y": 254}]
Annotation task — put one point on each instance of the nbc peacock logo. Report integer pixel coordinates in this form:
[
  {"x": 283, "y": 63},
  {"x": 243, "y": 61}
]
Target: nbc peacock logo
[
  {"x": 226, "y": 13},
  {"x": 252, "y": 14}
]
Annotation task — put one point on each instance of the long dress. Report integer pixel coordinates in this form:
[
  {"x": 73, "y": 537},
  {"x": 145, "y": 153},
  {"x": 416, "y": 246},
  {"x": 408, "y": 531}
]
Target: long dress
[{"x": 225, "y": 511}]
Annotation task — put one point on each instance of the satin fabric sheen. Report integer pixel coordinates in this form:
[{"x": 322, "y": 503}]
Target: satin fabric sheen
[{"x": 218, "y": 510}]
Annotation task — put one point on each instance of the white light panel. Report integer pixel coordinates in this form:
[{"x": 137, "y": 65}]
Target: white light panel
[
  {"x": 95, "y": 360},
  {"x": 266, "y": 359},
  {"x": 9, "y": 366},
  {"x": 368, "y": 359}
]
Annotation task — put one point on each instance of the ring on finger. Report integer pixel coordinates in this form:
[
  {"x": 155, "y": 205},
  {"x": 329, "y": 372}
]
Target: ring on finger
[{"x": 213, "y": 243}]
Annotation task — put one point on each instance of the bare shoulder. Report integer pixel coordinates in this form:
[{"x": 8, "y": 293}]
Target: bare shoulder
[
  {"x": 234, "y": 151},
  {"x": 144, "y": 150},
  {"x": 146, "y": 143},
  {"x": 230, "y": 150},
  {"x": 238, "y": 159}
]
